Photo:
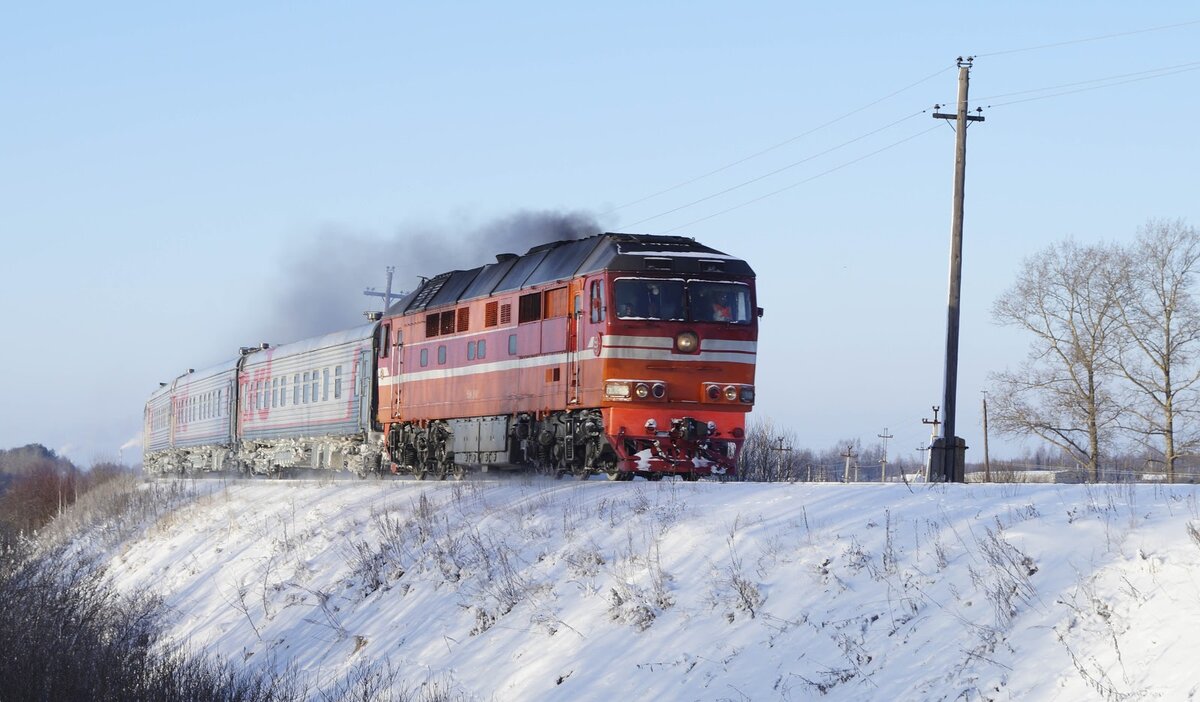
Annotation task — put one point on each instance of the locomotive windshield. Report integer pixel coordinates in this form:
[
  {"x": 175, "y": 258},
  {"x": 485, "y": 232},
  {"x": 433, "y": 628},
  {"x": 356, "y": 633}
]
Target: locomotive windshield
[{"x": 677, "y": 300}]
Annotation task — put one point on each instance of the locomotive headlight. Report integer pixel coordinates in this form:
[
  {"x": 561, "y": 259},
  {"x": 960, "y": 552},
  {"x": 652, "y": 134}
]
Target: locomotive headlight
[
  {"x": 687, "y": 342},
  {"x": 642, "y": 391},
  {"x": 713, "y": 392},
  {"x": 747, "y": 394},
  {"x": 659, "y": 391},
  {"x": 731, "y": 393},
  {"x": 617, "y": 390}
]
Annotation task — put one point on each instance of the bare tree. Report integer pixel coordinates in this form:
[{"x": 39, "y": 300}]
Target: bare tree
[
  {"x": 1161, "y": 321},
  {"x": 1067, "y": 297}
]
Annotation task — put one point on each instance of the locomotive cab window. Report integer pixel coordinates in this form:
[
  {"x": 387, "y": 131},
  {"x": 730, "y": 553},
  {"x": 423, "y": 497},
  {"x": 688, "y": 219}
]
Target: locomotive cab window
[
  {"x": 723, "y": 302},
  {"x": 644, "y": 298}
]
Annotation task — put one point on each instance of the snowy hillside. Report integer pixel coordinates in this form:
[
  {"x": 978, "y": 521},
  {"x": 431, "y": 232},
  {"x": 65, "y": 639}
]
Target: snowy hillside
[{"x": 524, "y": 589}]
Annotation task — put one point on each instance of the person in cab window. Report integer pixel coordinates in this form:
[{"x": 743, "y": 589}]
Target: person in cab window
[{"x": 721, "y": 311}]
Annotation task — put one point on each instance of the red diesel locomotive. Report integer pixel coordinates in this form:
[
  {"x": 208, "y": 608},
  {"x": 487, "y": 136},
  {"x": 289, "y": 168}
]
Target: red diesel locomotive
[{"x": 618, "y": 354}]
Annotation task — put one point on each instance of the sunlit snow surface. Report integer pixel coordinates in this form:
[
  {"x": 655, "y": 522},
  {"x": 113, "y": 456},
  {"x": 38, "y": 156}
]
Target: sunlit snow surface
[{"x": 532, "y": 589}]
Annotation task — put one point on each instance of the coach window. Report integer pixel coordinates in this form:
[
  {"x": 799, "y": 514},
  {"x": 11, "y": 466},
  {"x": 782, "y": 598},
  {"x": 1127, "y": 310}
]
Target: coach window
[
  {"x": 274, "y": 392},
  {"x": 424, "y": 357},
  {"x": 470, "y": 350},
  {"x": 324, "y": 384},
  {"x": 512, "y": 344},
  {"x": 304, "y": 397},
  {"x": 337, "y": 382},
  {"x": 316, "y": 381},
  {"x": 442, "y": 355},
  {"x": 296, "y": 389},
  {"x": 481, "y": 349}
]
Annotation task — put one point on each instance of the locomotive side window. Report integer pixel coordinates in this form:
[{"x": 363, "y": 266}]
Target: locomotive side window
[
  {"x": 385, "y": 335},
  {"x": 597, "y": 301},
  {"x": 556, "y": 303},
  {"x": 512, "y": 344},
  {"x": 529, "y": 308},
  {"x": 481, "y": 349},
  {"x": 641, "y": 298},
  {"x": 424, "y": 357},
  {"x": 442, "y": 355},
  {"x": 470, "y": 350}
]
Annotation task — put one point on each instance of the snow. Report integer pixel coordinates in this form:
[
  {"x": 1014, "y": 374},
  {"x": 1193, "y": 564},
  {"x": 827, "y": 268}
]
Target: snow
[{"x": 527, "y": 588}]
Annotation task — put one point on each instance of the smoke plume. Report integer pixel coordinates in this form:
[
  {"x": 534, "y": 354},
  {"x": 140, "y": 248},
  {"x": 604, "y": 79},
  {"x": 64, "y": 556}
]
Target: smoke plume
[{"x": 320, "y": 287}]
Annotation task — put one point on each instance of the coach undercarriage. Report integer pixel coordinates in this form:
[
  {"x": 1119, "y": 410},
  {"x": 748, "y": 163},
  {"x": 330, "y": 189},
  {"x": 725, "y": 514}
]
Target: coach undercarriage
[{"x": 357, "y": 454}]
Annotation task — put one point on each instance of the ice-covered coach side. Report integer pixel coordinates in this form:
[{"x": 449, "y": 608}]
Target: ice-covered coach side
[{"x": 308, "y": 404}]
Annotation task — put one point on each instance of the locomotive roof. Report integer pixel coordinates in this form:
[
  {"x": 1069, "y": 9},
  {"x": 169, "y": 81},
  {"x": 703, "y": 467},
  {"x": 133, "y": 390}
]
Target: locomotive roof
[{"x": 558, "y": 260}]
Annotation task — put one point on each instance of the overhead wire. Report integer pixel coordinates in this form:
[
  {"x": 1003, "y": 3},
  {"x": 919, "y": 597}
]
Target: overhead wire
[
  {"x": 806, "y": 180},
  {"x": 1093, "y": 84},
  {"x": 1182, "y": 68},
  {"x": 1090, "y": 39},
  {"x": 776, "y": 171},
  {"x": 779, "y": 145}
]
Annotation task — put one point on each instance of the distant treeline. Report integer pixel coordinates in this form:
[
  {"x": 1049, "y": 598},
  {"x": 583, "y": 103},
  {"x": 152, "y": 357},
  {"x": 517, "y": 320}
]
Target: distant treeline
[{"x": 36, "y": 484}]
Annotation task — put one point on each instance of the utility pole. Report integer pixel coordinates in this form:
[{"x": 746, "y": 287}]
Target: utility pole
[
  {"x": 386, "y": 294},
  {"x": 779, "y": 457},
  {"x": 952, "y": 467},
  {"x": 932, "y": 441},
  {"x": 849, "y": 456},
  {"x": 987, "y": 464},
  {"x": 883, "y": 461}
]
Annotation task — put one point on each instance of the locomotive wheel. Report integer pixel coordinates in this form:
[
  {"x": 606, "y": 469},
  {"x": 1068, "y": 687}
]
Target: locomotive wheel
[{"x": 690, "y": 477}]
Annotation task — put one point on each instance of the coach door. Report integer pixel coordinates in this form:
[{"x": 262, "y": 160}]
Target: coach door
[{"x": 366, "y": 377}]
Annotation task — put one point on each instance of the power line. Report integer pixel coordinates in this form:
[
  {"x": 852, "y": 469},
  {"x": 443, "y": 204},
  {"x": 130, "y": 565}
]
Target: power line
[
  {"x": 1090, "y": 39},
  {"x": 1193, "y": 67},
  {"x": 780, "y": 144},
  {"x": 1093, "y": 80},
  {"x": 776, "y": 171},
  {"x": 806, "y": 180}
]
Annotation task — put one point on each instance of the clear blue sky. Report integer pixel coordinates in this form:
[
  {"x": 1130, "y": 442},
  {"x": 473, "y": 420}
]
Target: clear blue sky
[{"x": 166, "y": 171}]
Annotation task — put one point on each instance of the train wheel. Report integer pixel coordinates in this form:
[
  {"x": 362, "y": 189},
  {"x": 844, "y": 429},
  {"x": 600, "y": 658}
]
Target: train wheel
[{"x": 690, "y": 477}]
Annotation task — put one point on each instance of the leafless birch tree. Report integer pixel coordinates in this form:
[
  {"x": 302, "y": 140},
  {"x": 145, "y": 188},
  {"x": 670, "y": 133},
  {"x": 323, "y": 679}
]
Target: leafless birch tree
[
  {"x": 1067, "y": 298},
  {"x": 1161, "y": 342}
]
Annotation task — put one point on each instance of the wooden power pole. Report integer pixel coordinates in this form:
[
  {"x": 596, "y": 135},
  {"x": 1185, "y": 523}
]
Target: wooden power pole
[{"x": 950, "y": 458}]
